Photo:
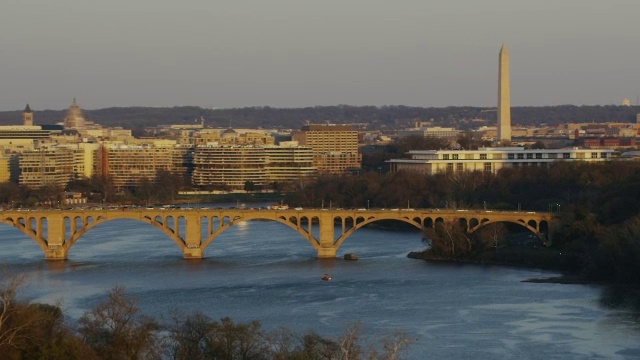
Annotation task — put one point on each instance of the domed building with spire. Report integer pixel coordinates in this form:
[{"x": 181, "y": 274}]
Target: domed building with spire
[{"x": 75, "y": 117}]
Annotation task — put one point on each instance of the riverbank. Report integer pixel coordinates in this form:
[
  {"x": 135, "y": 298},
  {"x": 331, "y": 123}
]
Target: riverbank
[
  {"x": 546, "y": 259},
  {"x": 614, "y": 295}
]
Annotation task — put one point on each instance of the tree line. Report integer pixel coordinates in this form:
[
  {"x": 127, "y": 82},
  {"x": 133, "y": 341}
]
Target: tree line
[
  {"x": 116, "y": 329},
  {"x": 376, "y": 117},
  {"x": 598, "y": 232},
  {"x": 97, "y": 189}
]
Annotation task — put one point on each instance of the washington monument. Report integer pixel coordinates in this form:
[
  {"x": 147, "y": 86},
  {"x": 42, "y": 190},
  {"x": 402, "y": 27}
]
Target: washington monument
[{"x": 504, "y": 98}]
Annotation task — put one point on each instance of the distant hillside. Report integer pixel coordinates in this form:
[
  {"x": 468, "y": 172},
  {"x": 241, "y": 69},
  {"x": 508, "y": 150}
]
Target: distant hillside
[{"x": 388, "y": 117}]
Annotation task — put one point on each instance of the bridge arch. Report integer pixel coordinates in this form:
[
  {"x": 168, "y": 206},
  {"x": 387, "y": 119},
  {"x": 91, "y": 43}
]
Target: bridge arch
[
  {"x": 76, "y": 235},
  {"x": 294, "y": 222},
  {"x": 530, "y": 225},
  {"x": 22, "y": 224},
  {"x": 358, "y": 225}
]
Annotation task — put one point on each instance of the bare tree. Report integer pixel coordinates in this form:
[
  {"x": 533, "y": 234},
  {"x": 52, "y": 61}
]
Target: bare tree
[
  {"x": 393, "y": 347},
  {"x": 188, "y": 337},
  {"x": 116, "y": 330},
  {"x": 449, "y": 239},
  {"x": 492, "y": 234},
  {"x": 349, "y": 348},
  {"x": 396, "y": 345},
  {"x": 35, "y": 331},
  {"x": 11, "y": 324}
]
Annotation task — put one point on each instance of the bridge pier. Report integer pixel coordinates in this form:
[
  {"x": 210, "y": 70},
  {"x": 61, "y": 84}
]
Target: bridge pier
[
  {"x": 192, "y": 253},
  {"x": 55, "y": 252},
  {"x": 326, "y": 253},
  {"x": 327, "y": 248},
  {"x": 55, "y": 249},
  {"x": 193, "y": 237}
]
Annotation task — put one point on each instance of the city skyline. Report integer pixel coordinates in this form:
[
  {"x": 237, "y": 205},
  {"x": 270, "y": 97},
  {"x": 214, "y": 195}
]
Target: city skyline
[{"x": 291, "y": 54}]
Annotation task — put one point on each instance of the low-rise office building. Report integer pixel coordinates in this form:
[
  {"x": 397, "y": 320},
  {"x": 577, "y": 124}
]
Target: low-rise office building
[{"x": 491, "y": 159}]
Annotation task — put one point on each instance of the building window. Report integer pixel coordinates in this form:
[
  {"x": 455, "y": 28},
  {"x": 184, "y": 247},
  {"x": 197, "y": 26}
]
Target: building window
[
  {"x": 510, "y": 156},
  {"x": 455, "y": 156},
  {"x": 603, "y": 155},
  {"x": 520, "y": 156},
  {"x": 594, "y": 155},
  {"x": 538, "y": 155},
  {"x": 566, "y": 155},
  {"x": 445, "y": 156},
  {"x": 459, "y": 167},
  {"x": 449, "y": 167},
  {"x": 483, "y": 156},
  {"x": 529, "y": 156},
  {"x": 552, "y": 156},
  {"x": 487, "y": 167}
]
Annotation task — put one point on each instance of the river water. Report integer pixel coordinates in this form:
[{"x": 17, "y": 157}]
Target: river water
[{"x": 265, "y": 271}]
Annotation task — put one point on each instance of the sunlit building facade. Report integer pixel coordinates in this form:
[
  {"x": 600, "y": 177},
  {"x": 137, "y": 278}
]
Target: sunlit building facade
[
  {"x": 233, "y": 167},
  {"x": 45, "y": 167},
  {"x": 126, "y": 166},
  {"x": 229, "y": 166},
  {"x": 335, "y": 147},
  {"x": 75, "y": 117},
  {"x": 491, "y": 160},
  {"x": 289, "y": 162}
]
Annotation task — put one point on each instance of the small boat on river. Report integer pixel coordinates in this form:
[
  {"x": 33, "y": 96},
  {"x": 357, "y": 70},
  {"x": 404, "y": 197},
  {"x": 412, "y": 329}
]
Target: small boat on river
[{"x": 326, "y": 277}]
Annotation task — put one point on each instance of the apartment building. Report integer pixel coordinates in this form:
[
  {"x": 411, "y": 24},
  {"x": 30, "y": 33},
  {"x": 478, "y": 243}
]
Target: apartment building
[
  {"x": 335, "y": 147},
  {"x": 430, "y": 162},
  {"x": 289, "y": 162},
  {"x": 232, "y": 137},
  {"x": 127, "y": 165},
  {"x": 232, "y": 166},
  {"x": 229, "y": 166},
  {"x": 40, "y": 167},
  {"x": 5, "y": 168}
]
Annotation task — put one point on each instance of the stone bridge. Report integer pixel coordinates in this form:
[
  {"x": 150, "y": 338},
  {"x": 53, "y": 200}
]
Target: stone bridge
[{"x": 193, "y": 230}]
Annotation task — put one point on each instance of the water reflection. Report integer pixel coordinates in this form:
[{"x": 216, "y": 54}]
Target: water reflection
[{"x": 623, "y": 298}]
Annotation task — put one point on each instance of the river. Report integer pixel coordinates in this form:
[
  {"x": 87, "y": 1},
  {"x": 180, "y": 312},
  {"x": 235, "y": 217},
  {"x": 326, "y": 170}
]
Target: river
[{"x": 265, "y": 271}]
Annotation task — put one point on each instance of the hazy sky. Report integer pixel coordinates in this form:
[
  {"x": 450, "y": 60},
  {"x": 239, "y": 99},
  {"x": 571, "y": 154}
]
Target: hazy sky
[{"x": 296, "y": 53}]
